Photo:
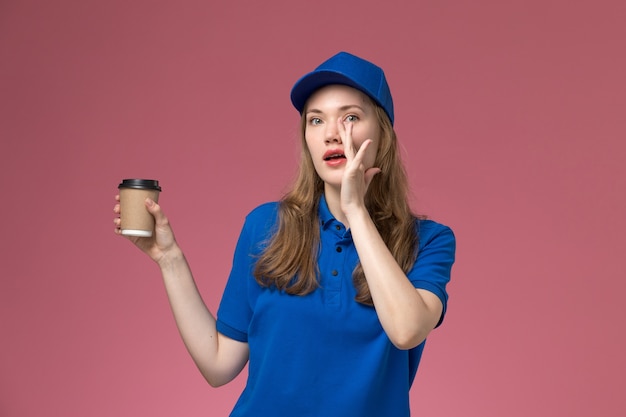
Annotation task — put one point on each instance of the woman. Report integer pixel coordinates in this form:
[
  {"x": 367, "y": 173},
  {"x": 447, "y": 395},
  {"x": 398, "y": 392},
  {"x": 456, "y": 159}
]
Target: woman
[{"x": 335, "y": 288}]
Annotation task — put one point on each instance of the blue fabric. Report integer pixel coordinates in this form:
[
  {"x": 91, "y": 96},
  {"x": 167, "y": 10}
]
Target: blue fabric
[
  {"x": 347, "y": 69},
  {"x": 323, "y": 354}
]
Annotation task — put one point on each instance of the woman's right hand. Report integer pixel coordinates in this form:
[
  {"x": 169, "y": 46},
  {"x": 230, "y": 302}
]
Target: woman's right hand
[
  {"x": 162, "y": 240},
  {"x": 219, "y": 358}
]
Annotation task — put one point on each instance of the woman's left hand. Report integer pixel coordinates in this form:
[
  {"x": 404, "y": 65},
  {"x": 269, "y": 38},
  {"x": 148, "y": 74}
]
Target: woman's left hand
[{"x": 356, "y": 176}]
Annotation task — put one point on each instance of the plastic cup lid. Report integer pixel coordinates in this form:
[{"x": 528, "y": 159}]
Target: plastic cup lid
[{"x": 140, "y": 184}]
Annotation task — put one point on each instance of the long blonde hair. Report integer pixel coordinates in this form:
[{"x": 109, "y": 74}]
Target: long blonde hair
[{"x": 290, "y": 260}]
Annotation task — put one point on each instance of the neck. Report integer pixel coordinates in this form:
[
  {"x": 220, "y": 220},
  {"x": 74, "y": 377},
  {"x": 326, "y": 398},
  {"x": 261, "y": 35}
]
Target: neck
[{"x": 333, "y": 200}]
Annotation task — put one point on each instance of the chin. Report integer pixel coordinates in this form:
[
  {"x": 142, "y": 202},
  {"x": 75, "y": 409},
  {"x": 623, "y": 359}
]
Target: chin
[{"x": 332, "y": 182}]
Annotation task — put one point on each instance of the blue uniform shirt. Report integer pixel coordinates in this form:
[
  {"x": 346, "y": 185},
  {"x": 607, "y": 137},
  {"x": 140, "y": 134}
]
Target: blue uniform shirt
[{"x": 323, "y": 354}]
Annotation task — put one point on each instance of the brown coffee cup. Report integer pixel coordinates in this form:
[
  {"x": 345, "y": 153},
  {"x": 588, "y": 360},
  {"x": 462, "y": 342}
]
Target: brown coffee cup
[{"x": 135, "y": 218}]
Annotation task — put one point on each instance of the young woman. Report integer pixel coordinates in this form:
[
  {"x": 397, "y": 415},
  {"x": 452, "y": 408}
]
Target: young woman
[{"x": 333, "y": 289}]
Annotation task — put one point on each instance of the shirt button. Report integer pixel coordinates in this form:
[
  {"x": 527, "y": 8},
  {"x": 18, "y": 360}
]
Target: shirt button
[
  {"x": 334, "y": 272},
  {"x": 338, "y": 227},
  {"x": 338, "y": 249}
]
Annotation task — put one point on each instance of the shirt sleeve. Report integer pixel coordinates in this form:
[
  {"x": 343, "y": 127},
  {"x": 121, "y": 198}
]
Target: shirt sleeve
[
  {"x": 233, "y": 315},
  {"x": 431, "y": 272},
  {"x": 236, "y": 307}
]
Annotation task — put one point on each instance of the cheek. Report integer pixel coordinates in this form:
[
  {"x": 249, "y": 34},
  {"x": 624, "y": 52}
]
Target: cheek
[
  {"x": 307, "y": 139},
  {"x": 313, "y": 152},
  {"x": 311, "y": 148},
  {"x": 311, "y": 137},
  {"x": 372, "y": 150}
]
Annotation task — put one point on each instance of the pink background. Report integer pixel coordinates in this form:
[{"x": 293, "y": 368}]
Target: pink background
[{"x": 512, "y": 118}]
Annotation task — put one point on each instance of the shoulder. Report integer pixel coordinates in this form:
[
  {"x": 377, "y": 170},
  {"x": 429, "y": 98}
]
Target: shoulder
[
  {"x": 259, "y": 225},
  {"x": 429, "y": 231},
  {"x": 263, "y": 211},
  {"x": 263, "y": 217}
]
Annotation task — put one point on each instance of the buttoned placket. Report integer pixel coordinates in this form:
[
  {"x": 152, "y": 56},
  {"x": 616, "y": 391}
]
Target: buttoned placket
[{"x": 336, "y": 239}]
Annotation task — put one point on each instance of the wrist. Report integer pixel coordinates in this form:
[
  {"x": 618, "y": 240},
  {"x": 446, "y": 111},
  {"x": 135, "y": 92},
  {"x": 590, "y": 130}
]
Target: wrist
[
  {"x": 356, "y": 215},
  {"x": 170, "y": 257}
]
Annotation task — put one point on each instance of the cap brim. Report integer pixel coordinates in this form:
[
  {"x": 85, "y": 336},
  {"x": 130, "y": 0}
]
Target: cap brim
[{"x": 313, "y": 81}]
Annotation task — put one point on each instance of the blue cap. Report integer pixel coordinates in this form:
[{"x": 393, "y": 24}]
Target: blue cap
[{"x": 346, "y": 69}]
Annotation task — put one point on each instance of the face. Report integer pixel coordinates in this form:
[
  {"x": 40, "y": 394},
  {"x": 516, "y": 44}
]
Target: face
[{"x": 325, "y": 136}]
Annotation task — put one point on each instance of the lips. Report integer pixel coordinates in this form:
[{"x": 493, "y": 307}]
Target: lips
[{"x": 334, "y": 155}]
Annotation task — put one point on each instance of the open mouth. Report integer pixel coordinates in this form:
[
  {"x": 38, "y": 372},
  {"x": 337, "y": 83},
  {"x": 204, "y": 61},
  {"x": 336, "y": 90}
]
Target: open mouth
[{"x": 333, "y": 155}]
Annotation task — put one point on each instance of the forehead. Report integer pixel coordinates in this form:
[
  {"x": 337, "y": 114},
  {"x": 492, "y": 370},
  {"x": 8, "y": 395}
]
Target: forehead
[{"x": 337, "y": 95}]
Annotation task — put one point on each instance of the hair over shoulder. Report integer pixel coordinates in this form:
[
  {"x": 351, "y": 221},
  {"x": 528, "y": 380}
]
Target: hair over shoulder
[{"x": 289, "y": 262}]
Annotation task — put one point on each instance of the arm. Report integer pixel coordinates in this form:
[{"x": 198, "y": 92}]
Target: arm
[
  {"x": 407, "y": 315},
  {"x": 219, "y": 358}
]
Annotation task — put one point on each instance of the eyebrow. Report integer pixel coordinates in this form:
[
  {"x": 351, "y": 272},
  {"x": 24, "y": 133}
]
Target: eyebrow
[{"x": 342, "y": 108}]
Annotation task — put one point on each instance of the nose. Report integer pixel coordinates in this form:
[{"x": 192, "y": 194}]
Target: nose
[{"x": 332, "y": 133}]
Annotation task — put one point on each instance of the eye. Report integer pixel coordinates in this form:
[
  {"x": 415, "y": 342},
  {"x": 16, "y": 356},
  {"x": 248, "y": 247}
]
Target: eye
[
  {"x": 315, "y": 121},
  {"x": 351, "y": 118}
]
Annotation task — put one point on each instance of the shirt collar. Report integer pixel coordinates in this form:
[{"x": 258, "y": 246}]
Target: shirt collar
[
  {"x": 324, "y": 213},
  {"x": 327, "y": 219}
]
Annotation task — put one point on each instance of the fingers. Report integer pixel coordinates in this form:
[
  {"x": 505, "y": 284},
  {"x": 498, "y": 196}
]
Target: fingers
[
  {"x": 351, "y": 152},
  {"x": 155, "y": 209},
  {"x": 359, "y": 155},
  {"x": 345, "y": 132},
  {"x": 118, "y": 226},
  {"x": 117, "y": 221},
  {"x": 370, "y": 174},
  {"x": 152, "y": 207}
]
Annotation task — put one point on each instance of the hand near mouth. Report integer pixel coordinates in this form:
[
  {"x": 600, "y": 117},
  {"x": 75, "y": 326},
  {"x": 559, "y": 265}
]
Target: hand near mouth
[{"x": 356, "y": 176}]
